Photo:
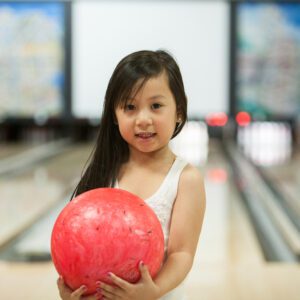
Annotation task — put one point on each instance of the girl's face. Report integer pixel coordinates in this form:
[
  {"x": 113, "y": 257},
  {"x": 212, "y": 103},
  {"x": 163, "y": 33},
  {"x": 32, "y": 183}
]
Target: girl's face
[{"x": 148, "y": 120}]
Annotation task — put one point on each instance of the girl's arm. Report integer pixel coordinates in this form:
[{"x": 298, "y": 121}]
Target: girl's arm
[{"x": 186, "y": 223}]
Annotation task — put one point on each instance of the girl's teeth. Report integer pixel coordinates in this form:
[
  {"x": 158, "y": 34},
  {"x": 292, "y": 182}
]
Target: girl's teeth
[{"x": 145, "y": 135}]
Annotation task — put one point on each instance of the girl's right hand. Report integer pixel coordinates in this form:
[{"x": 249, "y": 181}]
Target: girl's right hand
[{"x": 67, "y": 294}]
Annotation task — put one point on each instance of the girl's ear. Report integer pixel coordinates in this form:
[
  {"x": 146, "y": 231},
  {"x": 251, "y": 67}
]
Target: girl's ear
[{"x": 179, "y": 119}]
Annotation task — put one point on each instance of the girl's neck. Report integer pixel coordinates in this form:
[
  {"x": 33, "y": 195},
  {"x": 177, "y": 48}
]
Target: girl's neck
[
  {"x": 141, "y": 163},
  {"x": 163, "y": 155}
]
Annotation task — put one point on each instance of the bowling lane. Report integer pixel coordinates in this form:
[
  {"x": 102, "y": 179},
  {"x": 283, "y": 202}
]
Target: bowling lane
[
  {"x": 227, "y": 239},
  {"x": 25, "y": 159},
  {"x": 227, "y": 236},
  {"x": 269, "y": 147},
  {"x": 8, "y": 150},
  {"x": 229, "y": 263},
  {"x": 26, "y": 197},
  {"x": 285, "y": 179}
]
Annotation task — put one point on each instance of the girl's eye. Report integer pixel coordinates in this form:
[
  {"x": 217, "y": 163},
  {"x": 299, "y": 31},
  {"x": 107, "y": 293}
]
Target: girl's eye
[
  {"x": 129, "y": 107},
  {"x": 156, "y": 105}
]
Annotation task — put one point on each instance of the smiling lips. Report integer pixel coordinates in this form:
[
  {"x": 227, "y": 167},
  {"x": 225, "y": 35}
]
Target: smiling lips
[{"x": 145, "y": 135}]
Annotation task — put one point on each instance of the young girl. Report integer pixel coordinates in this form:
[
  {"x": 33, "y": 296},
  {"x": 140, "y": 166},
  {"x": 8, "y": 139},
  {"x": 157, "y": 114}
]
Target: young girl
[{"x": 146, "y": 106}]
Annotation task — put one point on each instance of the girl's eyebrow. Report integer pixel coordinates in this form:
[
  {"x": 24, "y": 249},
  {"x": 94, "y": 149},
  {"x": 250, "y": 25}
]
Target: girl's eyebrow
[
  {"x": 156, "y": 97},
  {"x": 150, "y": 98}
]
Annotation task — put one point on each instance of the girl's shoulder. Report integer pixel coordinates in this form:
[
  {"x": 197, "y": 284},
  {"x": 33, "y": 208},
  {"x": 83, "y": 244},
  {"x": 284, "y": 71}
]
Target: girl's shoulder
[
  {"x": 191, "y": 174},
  {"x": 191, "y": 188},
  {"x": 191, "y": 180}
]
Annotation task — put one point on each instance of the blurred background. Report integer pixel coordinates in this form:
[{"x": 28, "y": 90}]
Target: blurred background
[{"x": 240, "y": 62}]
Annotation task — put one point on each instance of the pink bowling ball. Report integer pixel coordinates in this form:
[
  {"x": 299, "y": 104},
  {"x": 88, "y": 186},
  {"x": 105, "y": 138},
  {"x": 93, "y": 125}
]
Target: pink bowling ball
[{"x": 106, "y": 230}]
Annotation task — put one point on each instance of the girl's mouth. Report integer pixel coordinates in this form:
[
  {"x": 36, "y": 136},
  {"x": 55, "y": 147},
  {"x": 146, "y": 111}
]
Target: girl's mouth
[{"x": 145, "y": 135}]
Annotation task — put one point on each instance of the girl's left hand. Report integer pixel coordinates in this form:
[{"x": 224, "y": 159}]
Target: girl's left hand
[{"x": 144, "y": 289}]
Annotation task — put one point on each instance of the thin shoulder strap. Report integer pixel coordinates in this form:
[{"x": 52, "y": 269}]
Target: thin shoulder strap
[
  {"x": 176, "y": 171},
  {"x": 170, "y": 185}
]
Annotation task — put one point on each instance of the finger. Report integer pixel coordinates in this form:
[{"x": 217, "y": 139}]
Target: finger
[
  {"x": 62, "y": 287},
  {"x": 108, "y": 295},
  {"x": 109, "y": 291},
  {"x": 92, "y": 297},
  {"x": 78, "y": 293},
  {"x": 123, "y": 284},
  {"x": 60, "y": 281},
  {"x": 144, "y": 272}
]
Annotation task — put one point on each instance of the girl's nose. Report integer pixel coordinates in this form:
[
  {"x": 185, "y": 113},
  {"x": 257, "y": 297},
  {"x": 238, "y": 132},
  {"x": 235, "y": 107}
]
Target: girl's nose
[{"x": 143, "y": 119}]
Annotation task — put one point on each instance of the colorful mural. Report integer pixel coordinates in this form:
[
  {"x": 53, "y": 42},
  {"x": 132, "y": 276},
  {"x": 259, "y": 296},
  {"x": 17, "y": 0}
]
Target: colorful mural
[
  {"x": 268, "y": 59},
  {"x": 32, "y": 57}
]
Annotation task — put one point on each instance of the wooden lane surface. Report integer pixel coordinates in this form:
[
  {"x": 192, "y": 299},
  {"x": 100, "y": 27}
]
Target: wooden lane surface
[
  {"x": 231, "y": 268},
  {"x": 26, "y": 197},
  {"x": 271, "y": 281},
  {"x": 235, "y": 269},
  {"x": 287, "y": 180},
  {"x": 228, "y": 265},
  {"x": 7, "y": 150}
]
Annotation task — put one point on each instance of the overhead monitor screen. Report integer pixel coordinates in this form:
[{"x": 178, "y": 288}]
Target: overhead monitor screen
[
  {"x": 32, "y": 55},
  {"x": 268, "y": 59}
]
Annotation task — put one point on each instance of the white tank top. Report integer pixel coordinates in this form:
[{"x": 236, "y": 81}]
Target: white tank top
[{"x": 162, "y": 204}]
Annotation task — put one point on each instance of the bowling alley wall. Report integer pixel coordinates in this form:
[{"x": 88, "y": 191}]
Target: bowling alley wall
[{"x": 56, "y": 58}]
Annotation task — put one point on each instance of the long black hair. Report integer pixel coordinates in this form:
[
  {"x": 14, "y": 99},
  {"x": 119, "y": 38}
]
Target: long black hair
[{"x": 111, "y": 151}]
